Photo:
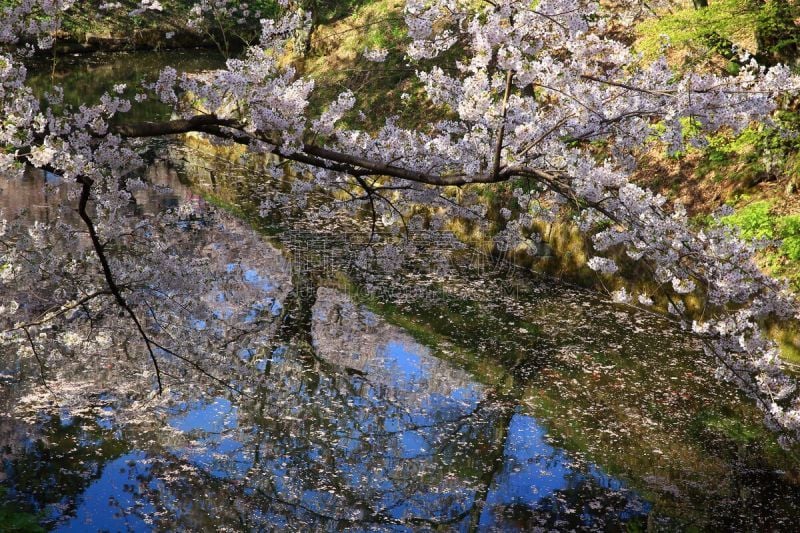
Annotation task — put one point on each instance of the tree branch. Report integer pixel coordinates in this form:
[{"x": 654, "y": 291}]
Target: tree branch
[
  {"x": 310, "y": 154},
  {"x": 99, "y": 249},
  {"x": 498, "y": 145}
]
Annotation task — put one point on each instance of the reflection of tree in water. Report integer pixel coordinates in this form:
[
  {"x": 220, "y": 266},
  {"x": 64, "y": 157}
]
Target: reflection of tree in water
[
  {"x": 58, "y": 461},
  {"x": 381, "y": 461},
  {"x": 96, "y": 74},
  {"x": 318, "y": 443},
  {"x": 338, "y": 420},
  {"x": 585, "y": 504}
]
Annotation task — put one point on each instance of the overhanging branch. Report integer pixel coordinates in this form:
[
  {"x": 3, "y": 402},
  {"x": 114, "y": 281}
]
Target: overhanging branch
[{"x": 310, "y": 154}]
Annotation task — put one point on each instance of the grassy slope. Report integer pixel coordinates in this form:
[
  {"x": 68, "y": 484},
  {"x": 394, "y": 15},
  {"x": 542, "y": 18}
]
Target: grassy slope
[
  {"x": 758, "y": 171},
  {"x": 336, "y": 61}
]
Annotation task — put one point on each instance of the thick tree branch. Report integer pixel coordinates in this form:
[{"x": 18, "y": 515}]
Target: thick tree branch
[
  {"x": 170, "y": 127},
  {"x": 310, "y": 154},
  {"x": 498, "y": 145}
]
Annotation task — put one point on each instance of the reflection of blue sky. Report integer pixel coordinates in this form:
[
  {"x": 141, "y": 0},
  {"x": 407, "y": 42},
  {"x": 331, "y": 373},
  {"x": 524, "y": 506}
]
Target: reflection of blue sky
[
  {"x": 534, "y": 470},
  {"x": 107, "y": 503},
  {"x": 404, "y": 365},
  {"x": 212, "y": 422},
  {"x": 531, "y": 469},
  {"x": 258, "y": 308},
  {"x": 253, "y": 278},
  {"x": 65, "y": 417},
  {"x": 409, "y": 367},
  {"x": 105, "y": 420},
  {"x": 413, "y": 444},
  {"x": 214, "y": 417}
]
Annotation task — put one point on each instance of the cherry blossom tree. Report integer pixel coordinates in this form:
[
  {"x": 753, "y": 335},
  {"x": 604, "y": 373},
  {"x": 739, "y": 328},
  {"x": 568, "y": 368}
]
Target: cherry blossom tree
[{"x": 534, "y": 94}]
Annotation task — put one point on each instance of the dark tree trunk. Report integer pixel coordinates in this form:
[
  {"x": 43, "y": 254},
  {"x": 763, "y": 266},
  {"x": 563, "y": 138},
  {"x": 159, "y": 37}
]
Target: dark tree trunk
[{"x": 777, "y": 33}]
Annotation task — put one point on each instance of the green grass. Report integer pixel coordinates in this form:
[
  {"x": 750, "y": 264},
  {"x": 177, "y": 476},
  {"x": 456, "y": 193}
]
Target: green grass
[
  {"x": 336, "y": 62},
  {"x": 753, "y": 221},
  {"x": 758, "y": 221},
  {"x": 689, "y": 27}
]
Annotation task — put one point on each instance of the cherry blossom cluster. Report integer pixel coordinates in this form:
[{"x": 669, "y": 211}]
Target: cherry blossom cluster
[
  {"x": 31, "y": 20},
  {"x": 218, "y": 10},
  {"x": 536, "y": 94}
]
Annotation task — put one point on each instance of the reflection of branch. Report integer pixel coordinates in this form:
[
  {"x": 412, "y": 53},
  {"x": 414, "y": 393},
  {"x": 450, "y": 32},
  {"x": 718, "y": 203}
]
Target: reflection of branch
[
  {"x": 379, "y": 518},
  {"x": 99, "y": 249},
  {"x": 488, "y": 478},
  {"x": 116, "y": 291},
  {"x": 496, "y": 462},
  {"x": 47, "y": 316},
  {"x": 396, "y": 210},
  {"x": 197, "y": 367},
  {"x": 370, "y": 191},
  {"x": 38, "y": 360}
]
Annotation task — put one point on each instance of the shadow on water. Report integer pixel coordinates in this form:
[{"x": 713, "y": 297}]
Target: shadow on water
[{"x": 473, "y": 397}]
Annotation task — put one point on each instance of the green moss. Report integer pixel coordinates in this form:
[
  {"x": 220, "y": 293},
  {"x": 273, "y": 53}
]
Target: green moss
[
  {"x": 756, "y": 221},
  {"x": 746, "y": 156},
  {"x": 765, "y": 28},
  {"x": 335, "y": 59},
  {"x": 781, "y": 257}
]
